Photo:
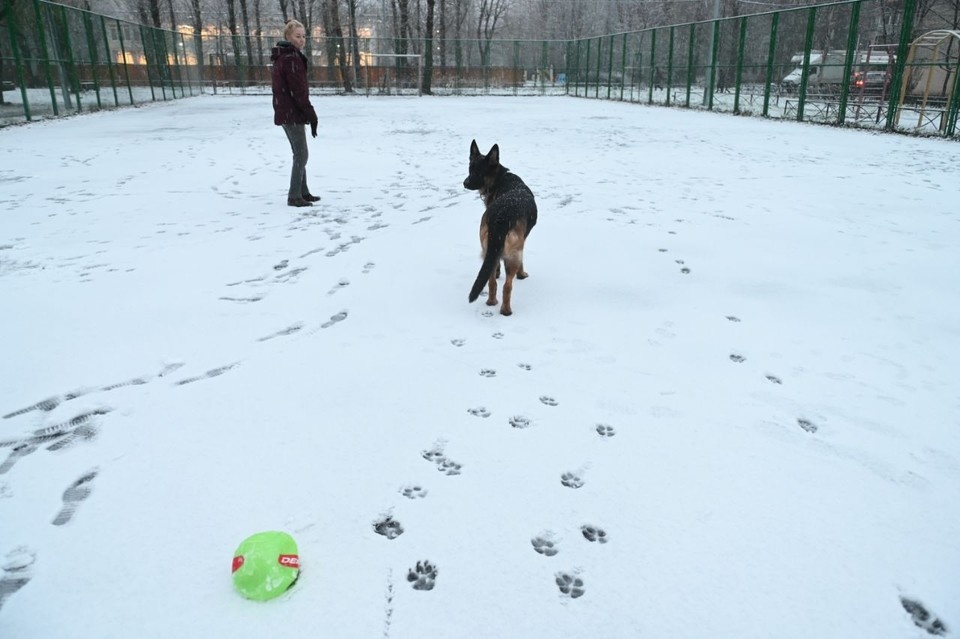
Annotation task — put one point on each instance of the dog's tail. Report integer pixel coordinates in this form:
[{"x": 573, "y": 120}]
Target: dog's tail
[{"x": 495, "y": 244}]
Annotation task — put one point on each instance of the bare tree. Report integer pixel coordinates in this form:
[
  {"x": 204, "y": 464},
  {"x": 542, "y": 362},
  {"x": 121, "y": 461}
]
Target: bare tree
[
  {"x": 490, "y": 12},
  {"x": 428, "y": 53}
]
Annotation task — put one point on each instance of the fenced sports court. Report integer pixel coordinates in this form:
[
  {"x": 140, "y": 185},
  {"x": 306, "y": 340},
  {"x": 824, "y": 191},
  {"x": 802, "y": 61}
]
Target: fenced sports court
[{"x": 859, "y": 63}]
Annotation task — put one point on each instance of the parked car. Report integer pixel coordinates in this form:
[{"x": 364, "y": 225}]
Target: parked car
[{"x": 870, "y": 82}]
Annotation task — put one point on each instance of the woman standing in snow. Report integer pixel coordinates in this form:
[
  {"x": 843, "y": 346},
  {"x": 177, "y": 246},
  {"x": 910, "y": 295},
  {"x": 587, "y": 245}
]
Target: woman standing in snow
[{"x": 291, "y": 107}]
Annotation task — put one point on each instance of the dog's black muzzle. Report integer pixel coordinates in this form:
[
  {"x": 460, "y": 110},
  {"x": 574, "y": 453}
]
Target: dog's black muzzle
[{"x": 472, "y": 183}]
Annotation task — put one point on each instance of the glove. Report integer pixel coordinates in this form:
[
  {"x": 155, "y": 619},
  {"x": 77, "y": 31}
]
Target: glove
[{"x": 313, "y": 128}]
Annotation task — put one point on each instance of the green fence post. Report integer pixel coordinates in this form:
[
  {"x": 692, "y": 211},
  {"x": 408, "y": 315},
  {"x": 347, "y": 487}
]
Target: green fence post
[
  {"x": 610, "y": 68},
  {"x": 669, "y": 84},
  {"x": 126, "y": 65},
  {"x": 623, "y": 66},
  {"x": 691, "y": 66},
  {"x": 771, "y": 56},
  {"x": 41, "y": 32},
  {"x": 516, "y": 67},
  {"x": 596, "y": 88},
  {"x": 710, "y": 86},
  {"x": 143, "y": 42},
  {"x": 586, "y": 81},
  {"x": 808, "y": 45},
  {"x": 71, "y": 64},
  {"x": 176, "y": 62},
  {"x": 906, "y": 29},
  {"x": 653, "y": 65},
  {"x": 106, "y": 48},
  {"x": 953, "y": 107},
  {"x": 18, "y": 62},
  {"x": 848, "y": 61},
  {"x": 94, "y": 61},
  {"x": 739, "y": 76}
]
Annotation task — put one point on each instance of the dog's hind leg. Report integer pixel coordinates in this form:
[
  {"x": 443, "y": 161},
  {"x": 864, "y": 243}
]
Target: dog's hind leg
[
  {"x": 522, "y": 274},
  {"x": 513, "y": 268},
  {"x": 492, "y": 286}
]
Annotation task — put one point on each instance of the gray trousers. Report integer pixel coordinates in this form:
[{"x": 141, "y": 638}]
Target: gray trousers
[{"x": 297, "y": 134}]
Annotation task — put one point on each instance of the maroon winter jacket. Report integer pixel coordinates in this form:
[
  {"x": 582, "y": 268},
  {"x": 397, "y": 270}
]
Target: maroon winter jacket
[{"x": 291, "y": 95}]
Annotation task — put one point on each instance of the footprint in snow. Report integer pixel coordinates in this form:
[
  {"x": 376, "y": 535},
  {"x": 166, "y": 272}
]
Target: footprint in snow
[
  {"x": 592, "y": 533},
  {"x": 413, "y": 492},
  {"x": 339, "y": 317},
  {"x": 78, "y": 491},
  {"x": 545, "y": 545},
  {"x": 423, "y": 576},
  {"x": 605, "y": 430},
  {"x": 807, "y": 425},
  {"x": 488, "y": 372},
  {"x": 479, "y": 411},
  {"x": 17, "y": 571},
  {"x": 571, "y": 480},
  {"x": 570, "y": 585},
  {"x": 519, "y": 421},
  {"x": 388, "y": 527},
  {"x": 549, "y": 401}
]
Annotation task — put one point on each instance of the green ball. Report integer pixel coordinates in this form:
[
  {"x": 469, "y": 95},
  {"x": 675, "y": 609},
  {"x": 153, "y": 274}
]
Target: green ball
[{"x": 265, "y": 565}]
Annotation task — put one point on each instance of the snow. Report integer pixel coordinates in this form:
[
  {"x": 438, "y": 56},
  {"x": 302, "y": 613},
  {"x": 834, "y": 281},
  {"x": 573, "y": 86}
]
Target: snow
[{"x": 739, "y": 336}]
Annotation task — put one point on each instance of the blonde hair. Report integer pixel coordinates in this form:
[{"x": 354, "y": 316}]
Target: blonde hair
[{"x": 293, "y": 24}]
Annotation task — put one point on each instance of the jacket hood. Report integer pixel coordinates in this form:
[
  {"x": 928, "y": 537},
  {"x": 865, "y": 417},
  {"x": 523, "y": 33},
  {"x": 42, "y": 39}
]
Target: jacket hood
[{"x": 283, "y": 48}]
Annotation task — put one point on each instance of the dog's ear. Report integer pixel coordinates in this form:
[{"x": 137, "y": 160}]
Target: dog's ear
[
  {"x": 493, "y": 157},
  {"x": 474, "y": 149}
]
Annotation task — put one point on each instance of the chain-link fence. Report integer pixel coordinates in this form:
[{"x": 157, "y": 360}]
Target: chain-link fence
[
  {"x": 830, "y": 63},
  {"x": 856, "y": 63}
]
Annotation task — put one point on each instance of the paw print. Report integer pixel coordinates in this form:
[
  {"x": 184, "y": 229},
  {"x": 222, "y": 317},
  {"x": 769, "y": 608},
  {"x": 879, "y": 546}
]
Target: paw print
[
  {"x": 488, "y": 372},
  {"x": 413, "y": 492},
  {"x": 525, "y": 367},
  {"x": 449, "y": 467},
  {"x": 592, "y": 533},
  {"x": 605, "y": 430},
  {"x": 685, "y": 270},
  {"x": 807, "y": 425},
  {"x": 479, "y": 411},
  {"x": 739, "y": 359},
  {"x": 519, "y": 421},
  {"x": 571, "y": 480},
  {"x": 423, "y": 576},
  {"x": 570, "y": 585},
  {"x": 458, "y": 342},
  {"x": 733, "y": 318},
  {"x": 433, "y": 455},
  {"x": 497, "y": 336},
  {"x": 444, "y": 465},
  {"x": 388, "y": 527},
  {"x": 774, "y": 379},
  {"x": 544, "y": 546},
  {"x": 487, "y": 313},
  {"x": 549, "y": 401}
]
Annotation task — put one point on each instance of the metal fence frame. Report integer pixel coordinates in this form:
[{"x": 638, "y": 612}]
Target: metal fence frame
[{"x": 60, "y": 60}]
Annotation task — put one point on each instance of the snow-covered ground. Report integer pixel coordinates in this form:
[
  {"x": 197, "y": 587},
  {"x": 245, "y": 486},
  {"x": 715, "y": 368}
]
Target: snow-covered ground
[{"x": 728, "y": 396}]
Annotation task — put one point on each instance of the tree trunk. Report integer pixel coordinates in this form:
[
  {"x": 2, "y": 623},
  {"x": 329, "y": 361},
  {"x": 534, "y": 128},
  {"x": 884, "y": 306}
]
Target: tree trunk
[
  {"x": 197, "y": 17},
  {"x": 341, "y": 49},
  {"x": 428, "y": 50},
  {"x": 354, "y": 41}
]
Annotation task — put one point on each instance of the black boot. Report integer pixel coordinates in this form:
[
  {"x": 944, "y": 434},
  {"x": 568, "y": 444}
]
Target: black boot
[{"x": 298, "y": 202}]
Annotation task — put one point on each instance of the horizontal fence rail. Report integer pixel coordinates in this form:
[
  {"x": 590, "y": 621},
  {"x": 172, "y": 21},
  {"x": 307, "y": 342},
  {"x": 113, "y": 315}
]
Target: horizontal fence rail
[{"x": 836, "y": 63}]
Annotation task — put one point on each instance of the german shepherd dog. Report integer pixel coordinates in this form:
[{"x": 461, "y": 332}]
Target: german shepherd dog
[{"x": 510, "y": 216}]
